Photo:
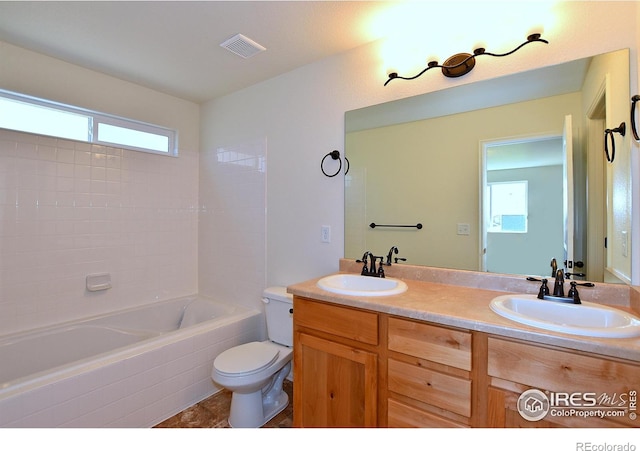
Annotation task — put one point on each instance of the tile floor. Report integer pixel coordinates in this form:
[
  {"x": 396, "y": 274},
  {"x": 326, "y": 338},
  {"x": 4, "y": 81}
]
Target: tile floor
[{"x": 214, "y": 411}]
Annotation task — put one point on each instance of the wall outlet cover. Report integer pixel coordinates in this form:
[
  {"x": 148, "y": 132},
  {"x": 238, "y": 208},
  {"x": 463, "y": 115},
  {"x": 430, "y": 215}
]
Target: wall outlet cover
[{"x": 325, "y": 234}]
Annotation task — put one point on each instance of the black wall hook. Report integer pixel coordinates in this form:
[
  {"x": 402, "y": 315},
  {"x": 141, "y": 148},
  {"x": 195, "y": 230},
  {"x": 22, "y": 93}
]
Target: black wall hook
[
  {"x": 608, "y": 137},
  {"x": 335, "y": 155},
  {"x": 634, "y": 128}
]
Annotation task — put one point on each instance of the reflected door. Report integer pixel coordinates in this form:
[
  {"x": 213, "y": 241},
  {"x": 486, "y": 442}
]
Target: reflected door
[{"x": 524, "y": 205}]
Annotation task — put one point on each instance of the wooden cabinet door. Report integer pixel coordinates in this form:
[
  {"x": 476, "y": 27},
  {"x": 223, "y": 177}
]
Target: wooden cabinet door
[
  {"x": 335, "y": 384},
  {"x": 503, "y": 413},
  {"x": 514, "y": 367}
]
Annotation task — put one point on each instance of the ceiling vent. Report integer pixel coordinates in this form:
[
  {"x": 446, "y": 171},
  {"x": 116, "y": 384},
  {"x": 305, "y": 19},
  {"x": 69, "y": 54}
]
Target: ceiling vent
[{"x": 242, "y": 46}]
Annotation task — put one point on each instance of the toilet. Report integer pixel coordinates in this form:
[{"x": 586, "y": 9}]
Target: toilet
[{"x": 254, "y": 372}]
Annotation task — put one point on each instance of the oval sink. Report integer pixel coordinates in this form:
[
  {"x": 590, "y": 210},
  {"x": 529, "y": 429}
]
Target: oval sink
[
  {"x": 588, "y": 319},
  {"x": 357, "y": 285}
]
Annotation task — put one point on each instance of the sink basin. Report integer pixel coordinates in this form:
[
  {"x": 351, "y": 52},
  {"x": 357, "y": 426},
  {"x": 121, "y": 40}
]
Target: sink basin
[
  {"x": 588, "y": 319},
  {"x": 356, "y": 285}
]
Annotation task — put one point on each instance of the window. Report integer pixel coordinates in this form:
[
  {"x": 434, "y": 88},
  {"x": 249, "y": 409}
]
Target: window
[
  {"x": 43, "y": 117},
  {"x": 508, "y": 207}
]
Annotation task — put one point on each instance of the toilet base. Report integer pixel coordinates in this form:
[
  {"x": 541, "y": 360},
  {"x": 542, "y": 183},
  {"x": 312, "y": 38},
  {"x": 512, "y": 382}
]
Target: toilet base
[{"x": 252, "y": 410}]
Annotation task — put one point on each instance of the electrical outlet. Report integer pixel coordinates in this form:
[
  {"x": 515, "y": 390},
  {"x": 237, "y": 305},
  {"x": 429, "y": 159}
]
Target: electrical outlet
[{"x": 325, "y": 234}]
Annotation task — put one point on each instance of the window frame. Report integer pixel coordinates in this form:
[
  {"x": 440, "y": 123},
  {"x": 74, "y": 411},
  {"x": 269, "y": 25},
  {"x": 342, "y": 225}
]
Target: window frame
[{"x": 95, "y": 119}]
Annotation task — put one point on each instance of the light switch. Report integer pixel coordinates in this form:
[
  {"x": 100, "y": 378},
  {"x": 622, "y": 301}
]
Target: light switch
[{"x": 463, "y": 229}]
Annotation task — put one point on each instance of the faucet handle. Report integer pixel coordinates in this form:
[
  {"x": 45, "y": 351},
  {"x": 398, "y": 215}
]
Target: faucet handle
[
  {"x": 573, "y": 293},
  {"x": 380, "y": 268},
  {"x": 364, "y": 260},
  {"x": 544, "y": 289}
]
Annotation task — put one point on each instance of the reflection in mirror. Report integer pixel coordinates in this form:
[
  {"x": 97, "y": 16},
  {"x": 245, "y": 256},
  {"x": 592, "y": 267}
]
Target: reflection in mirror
[
  {"x": 522, "y": 205},
  {"x": 441, "y": 158}
]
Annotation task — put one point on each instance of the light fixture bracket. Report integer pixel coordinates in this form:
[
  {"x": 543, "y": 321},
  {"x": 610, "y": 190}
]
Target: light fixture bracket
[{"x": 458, "y": 65}]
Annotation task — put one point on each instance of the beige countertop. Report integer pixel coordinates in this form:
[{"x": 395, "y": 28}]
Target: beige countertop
[{"x": 465, "y": 304}]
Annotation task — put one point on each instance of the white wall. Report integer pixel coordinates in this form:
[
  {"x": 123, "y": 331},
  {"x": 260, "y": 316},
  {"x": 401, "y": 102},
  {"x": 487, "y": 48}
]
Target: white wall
[
  {"x": 68, "y": 209},
  {"x": 301, "y": 114}
]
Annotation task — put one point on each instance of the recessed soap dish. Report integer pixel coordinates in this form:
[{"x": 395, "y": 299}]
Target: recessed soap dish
[{"x": 98, "y": 282}]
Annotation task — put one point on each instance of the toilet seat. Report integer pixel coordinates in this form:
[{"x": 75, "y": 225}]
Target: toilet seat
[{"x": 246, "y": 359}]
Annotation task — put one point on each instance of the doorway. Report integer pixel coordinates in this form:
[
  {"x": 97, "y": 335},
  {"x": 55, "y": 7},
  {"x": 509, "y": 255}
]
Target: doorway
[{"x": 524, "y": 201}]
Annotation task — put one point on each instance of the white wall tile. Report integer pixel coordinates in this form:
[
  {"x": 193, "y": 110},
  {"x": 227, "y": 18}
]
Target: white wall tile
[
  {"x": 70, "y": 208},
  {"x": 232, "y": 222}
]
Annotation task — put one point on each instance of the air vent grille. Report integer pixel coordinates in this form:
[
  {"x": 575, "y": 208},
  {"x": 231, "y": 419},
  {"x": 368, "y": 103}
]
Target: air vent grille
[{"x": 242, "y": 46}]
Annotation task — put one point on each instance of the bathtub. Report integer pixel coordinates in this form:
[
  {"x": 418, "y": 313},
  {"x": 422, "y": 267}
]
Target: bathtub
[{"x": 133, "y": 368}]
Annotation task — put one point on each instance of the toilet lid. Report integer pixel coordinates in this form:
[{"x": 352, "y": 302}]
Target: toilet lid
[{"x": 246, "y": 359}]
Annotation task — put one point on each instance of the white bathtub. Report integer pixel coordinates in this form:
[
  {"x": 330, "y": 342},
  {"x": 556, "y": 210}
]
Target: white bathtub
[{"x": 133, "y": 368}]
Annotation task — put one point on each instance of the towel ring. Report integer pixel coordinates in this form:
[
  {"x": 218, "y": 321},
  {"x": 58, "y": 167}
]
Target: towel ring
[
  {"x": 634, "y": 129},
  {"x": 608, "y": 137},
  {"x": 335, "y": 155}
]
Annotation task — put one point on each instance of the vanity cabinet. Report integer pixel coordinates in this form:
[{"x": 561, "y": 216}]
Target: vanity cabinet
[
  {"x": 591, "y": 383},
  {"x": 335, "y": 366},
  {"x": 359, "y": 368},
  {"x": 429, "y": 375}
]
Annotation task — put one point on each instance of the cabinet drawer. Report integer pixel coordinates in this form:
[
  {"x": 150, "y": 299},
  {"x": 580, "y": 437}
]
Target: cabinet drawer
[
  {"x": 400, "y": 415},
  {"x": 344, "y": 322},
  {"x": 431, "y": 387},
  {"x": 434, "y": 343},
  {"x": 558, "y": 370}
]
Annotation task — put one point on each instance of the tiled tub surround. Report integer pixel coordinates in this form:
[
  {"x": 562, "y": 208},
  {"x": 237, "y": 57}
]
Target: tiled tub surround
[
  {"x": 160, "y": 363},
  {"x": 461, "y": 299},
  {"x": 69, "y": 209}
]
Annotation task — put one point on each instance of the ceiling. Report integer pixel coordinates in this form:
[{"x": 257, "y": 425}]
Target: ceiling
[{"x": 174, "y": 47}]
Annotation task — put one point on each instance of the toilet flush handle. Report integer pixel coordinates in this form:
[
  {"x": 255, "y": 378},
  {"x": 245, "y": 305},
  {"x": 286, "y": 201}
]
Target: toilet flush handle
[{"x": 267, "y": 300}]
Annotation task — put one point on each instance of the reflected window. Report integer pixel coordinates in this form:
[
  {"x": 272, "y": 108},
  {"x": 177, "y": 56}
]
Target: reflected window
[{"x": 508, "y": 207}]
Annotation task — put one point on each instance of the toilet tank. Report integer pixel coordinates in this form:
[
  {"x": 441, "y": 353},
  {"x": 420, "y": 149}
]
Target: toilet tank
[{"x": 279, "y": 311}]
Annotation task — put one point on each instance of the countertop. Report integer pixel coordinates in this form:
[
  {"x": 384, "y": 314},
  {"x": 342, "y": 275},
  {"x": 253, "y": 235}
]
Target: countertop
[{"x": 467, "y": 307}]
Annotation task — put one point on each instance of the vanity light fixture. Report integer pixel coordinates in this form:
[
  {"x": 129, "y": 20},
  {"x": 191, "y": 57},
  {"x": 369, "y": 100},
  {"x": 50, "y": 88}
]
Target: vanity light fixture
[{"x": 462, "y": 63}]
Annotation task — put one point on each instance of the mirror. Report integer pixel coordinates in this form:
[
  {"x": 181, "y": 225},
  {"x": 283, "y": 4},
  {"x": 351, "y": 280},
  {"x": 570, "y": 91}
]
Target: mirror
[{"x": 433, "y": 159}]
